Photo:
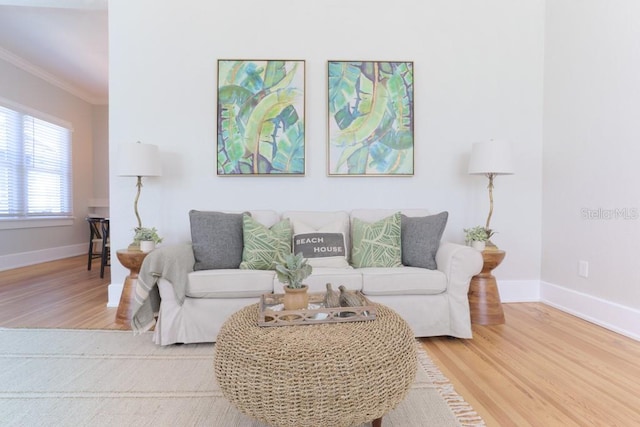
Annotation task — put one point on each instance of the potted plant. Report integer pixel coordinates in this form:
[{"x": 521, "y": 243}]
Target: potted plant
[
  {"x": 291, "y": 273},
  {"x": 477, "y": 237},
  {"x": 147, "y": 238}
]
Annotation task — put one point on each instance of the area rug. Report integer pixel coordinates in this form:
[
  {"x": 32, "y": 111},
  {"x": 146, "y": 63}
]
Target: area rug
[{"x": 56, "y": 377}]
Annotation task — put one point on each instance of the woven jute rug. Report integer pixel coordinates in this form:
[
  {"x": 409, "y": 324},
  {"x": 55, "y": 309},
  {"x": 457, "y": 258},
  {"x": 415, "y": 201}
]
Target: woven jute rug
[{"x": 55, "y": 377}]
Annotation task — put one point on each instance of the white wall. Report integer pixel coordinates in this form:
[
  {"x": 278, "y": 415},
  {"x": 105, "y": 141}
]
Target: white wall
[
  {"x": 478, "y": 75},
  {"x": 100, "y": 127},
  {"x": 26, "y": 246},
  {"x": 591, "y": 205},
  {"x": 479, "y": 69}
]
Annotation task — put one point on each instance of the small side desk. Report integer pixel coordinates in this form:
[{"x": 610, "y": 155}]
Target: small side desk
[
  {"x": 131, "y": 260},
  {"x": 484, "y": 298}
]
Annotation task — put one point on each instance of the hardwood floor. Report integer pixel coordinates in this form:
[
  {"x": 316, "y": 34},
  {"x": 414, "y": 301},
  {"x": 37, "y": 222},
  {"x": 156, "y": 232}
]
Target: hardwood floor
[
  {"x": 542, "y": 367},
  {"x": 57, "y": 294}
]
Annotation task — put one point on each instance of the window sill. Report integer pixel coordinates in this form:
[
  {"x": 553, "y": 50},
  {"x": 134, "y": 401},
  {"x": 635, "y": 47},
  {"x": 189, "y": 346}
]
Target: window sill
[{"x": 13, "y": 224}]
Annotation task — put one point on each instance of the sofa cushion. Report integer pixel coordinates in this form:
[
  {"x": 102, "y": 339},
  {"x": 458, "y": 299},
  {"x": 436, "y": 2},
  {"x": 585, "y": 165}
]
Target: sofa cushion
[
  {"x": 317, "y": 282},
  {"x": 265, "y": 247},
  {"x": 264, "y": 216},
  {"x": 373, "y": 215},
  {"x": 421, "y": 239},
  {"x": 321, "y": 249},
  {"x": 216, "y": 239},
  {"x": 336, "y": 222},
  {"x": 402, "y": 281},
  {"x": 229, "y": 283},
  {"x": 376, "y": 244}
]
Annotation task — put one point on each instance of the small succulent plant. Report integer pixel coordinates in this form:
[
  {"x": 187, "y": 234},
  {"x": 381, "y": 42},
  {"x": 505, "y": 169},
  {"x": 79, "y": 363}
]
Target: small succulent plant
[
  {"x": 477, "y": 234},
  {"x": 293, "y": 271},
  {"x": 147, "y": 234}
]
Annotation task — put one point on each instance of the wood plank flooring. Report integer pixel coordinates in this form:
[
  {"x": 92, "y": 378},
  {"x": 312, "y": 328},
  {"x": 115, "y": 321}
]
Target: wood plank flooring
[
  {"x": 57, "y": 294},
  {"x": 542, "y": 367}
]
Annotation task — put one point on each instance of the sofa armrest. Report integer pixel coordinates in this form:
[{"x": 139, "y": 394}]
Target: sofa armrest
[{"x": 459, "y": 263}]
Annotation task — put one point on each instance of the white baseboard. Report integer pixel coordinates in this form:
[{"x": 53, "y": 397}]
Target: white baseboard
[
  {"x": 613, "y": 316},
  {"x": 115, "y": 290},
  {"x": 24, "y": 259}
]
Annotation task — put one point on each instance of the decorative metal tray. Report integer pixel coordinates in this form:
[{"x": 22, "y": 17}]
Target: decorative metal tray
[{"x": 272, "y": 312}]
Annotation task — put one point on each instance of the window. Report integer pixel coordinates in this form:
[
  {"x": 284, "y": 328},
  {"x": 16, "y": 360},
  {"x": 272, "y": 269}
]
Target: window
[{"x": 35, "y": 165}]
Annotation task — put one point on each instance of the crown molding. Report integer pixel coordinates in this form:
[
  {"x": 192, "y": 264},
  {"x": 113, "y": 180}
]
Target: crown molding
[
  {"x": 67, "y": 4},
  {"x": 30, "y": 68}
]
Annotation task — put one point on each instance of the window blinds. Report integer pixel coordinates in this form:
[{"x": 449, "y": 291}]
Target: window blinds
[{"x": 35, "y": 166}]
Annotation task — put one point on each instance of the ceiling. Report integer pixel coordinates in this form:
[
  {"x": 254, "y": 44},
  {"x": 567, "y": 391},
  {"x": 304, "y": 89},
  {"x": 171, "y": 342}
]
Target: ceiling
[{"x": 63, "y": 41}]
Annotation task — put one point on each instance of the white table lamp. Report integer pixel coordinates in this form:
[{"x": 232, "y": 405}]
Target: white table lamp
[
  {"x": 491, "y": 158},
  {"x": 137, "y": 159}
]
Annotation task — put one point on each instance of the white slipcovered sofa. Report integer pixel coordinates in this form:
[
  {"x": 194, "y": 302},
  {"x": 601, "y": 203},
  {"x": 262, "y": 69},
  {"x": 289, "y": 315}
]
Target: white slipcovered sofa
[{"x": 193, "y": 288}]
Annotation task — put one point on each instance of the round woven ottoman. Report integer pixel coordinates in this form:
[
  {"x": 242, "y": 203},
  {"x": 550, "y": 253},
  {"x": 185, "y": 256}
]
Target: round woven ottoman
[{"x": 332, "y": 374}]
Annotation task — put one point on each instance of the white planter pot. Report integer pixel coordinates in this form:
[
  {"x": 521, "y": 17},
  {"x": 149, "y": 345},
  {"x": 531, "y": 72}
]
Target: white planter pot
[
  {"x": 147, "y": 245},
  {"x": 476, "y": 244}
]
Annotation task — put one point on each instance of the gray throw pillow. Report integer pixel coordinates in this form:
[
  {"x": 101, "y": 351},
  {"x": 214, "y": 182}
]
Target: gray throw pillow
[
  {"x": 216, "y": 238},
  {"x": 421, "y": 239}
]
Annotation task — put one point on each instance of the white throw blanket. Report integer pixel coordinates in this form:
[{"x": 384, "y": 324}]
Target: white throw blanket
[{"x": 171, "y": 262}]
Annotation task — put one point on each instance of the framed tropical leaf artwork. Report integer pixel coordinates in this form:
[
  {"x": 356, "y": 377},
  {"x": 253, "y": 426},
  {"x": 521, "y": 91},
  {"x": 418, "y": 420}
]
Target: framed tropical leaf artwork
[
  {"x": 261, "y": 127},
  {"x": 371, "y": 118}
]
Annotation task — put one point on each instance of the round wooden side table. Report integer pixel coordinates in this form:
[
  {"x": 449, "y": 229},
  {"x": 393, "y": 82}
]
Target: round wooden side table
[
  {"x": 484, "y": 298},
  {"x": 131, "y": 260}
]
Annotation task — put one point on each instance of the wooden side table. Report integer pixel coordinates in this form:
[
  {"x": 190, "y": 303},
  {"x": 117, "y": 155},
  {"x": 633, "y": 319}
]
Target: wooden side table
[
  {"x": 131, "y": 260},
  {"x": 484, "y": 298}
]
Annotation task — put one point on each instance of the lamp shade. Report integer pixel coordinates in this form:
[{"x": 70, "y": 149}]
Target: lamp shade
[
  {"x": 137, "y": 159},
  {"x": 492, "y": 157}
]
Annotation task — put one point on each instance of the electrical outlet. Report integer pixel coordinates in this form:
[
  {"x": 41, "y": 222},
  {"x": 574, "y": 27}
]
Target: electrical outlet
[{"x": 583, "y": 269}]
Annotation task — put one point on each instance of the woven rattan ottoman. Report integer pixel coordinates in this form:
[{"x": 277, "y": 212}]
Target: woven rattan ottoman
[{"x": 332, "y": 374}]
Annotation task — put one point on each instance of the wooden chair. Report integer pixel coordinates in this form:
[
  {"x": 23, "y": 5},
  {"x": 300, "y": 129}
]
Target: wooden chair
[
  {"x": 105, "y": 259},
  {"x": 99, "y": 243},
  {"x": 95, "y": 239}
]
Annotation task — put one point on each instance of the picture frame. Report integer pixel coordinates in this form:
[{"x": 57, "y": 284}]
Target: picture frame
[
  {"x": 370, "y": 118},
  {"x": 260, "y": 117}
]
